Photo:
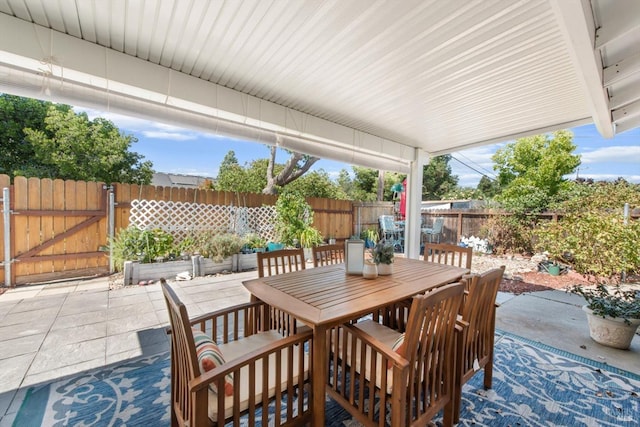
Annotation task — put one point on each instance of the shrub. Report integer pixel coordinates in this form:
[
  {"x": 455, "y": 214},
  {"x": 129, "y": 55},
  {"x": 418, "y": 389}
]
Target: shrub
[
  {"x": 294, "y": 215},
  {"x": 132, "y": 243},
  {"x": 223, "y": 246},
  {"x": 592, "y": 235},
  {"x": 595, "y": 244},
  {"x": 510, "y": 233}
]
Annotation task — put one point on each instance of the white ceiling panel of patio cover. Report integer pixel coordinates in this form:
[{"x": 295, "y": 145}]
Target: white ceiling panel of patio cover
[{"x": 372, "y": 83}]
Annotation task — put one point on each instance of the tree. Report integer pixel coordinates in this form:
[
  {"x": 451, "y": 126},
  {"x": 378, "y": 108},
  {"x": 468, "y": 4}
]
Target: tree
[
  {"x": 16, "y": 114},
  {"x": 437, "y": 179},
  {"x": 317, "y": 184},
  {"x": 364, "y": 185},
  {"x": 73, "y": 147},
  {"x": 531, "y": 170},
  {"x": 231, "y": 176},
  {"x": 295, "y": 167},
  {"x": 488, "y": 187}
]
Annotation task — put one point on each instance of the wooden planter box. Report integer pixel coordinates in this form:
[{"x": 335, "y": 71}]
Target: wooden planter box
[{"x": 134, "y": 271}]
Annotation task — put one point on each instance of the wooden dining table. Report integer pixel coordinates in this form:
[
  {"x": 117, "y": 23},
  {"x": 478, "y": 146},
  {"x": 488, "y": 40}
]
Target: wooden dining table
[{"x": 325, "y": 297}]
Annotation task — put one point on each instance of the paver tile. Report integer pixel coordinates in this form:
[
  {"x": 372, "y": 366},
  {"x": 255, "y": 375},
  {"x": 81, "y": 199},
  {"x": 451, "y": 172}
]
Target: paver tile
[
  {"x": 19, "y": 346},
  {"x": 25, "y": 317},
  {"x": 13, "y": 371},
  {"x": 78, "y": 319},
  {"x": 122, "y": 311},
  {"x": 33, "y": 327},
  {"x": 54, "y": 358},
  {"x": 128, "y": 300},
  {"x": 132, "y": 323},
  {"x": 75, "y": 334},
  {"x": 136, "y": 340},
  {"x": 38, "y": 303}
]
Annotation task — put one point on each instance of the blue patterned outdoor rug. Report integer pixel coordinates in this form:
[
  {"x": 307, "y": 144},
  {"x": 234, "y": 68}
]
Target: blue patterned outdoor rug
[{"x": 533, "y": 385}]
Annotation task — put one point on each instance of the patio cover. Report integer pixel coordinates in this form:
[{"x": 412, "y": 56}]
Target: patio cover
[{"x": 383, "y": 84}]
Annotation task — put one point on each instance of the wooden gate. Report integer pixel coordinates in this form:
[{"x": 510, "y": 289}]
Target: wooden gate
[{"x": 57, "y": 229}]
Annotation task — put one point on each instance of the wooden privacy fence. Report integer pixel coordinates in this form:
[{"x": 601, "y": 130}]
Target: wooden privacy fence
[{"x": 56, "y": 229}]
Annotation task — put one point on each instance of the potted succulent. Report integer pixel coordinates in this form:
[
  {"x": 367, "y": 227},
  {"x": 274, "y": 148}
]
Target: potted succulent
[
  {"x": 382, "y": 254},
  {"x": 613, "y": 316}
]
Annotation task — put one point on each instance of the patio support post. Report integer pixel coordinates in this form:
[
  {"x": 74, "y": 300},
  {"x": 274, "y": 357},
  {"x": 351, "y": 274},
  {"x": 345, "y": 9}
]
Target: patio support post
[
  {"x": 414, "y": 199},
  {"x": 111, "y": 214},
  {"x": 6, "y": 212}
]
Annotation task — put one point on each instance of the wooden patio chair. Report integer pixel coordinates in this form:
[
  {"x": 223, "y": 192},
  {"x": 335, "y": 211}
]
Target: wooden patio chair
[
  {"x": 328, "y": 254},
  {"x": 280, "y": 261},
  {"x": 475, "y": 341},
  {"x": 252, "y": 365},
  {"x": 408, "y": 377},
  {"x": 443, "y": 253}
]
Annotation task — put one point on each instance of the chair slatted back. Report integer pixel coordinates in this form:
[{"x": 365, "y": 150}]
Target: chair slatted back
[
  {"x": 280, "y": 261},
  {"x": 183, "y": 349},
  {"x": 412, "y": 383},
  {"x": 476, "y": 343},
  {"x": 443, "y": 253},
  {"x": 328, "y": 254},
  {"x": 430, "y": 349}
]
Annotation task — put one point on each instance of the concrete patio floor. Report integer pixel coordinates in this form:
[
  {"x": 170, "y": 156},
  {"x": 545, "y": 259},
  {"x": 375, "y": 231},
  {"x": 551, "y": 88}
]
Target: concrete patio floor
[{"x": 51, "y": 331}]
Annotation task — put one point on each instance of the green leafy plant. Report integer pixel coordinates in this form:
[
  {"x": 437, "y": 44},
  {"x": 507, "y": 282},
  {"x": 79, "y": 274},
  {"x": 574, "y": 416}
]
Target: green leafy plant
[
  {"x": 293, "y": 216},
  {"x": 510, "y": 233},
  {"x": 146, "y": 246},
  {"x": 222, "y": 246},
  {"x": 592, "y": 236},
  {"x": 382, "y": 252},
  {"x": 620, "y": 303},
  {"x": 370, "y": 236},
  {"x": 310, "y": 237},
  {"x": 254, "y": 241}
]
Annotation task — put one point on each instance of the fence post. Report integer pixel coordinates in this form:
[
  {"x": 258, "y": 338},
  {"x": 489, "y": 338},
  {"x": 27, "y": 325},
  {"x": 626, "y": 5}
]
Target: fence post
[
  {"x": 6, "y": 212},
  {"x": 625, "y": 215},
  {"x": 112, "y": 214}
]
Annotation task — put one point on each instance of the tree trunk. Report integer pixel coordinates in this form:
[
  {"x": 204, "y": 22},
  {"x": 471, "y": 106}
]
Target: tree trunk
[{"x": 292, "y": 170}]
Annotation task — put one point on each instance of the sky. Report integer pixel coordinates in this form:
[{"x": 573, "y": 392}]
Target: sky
[{"x": 183, "y": 151}]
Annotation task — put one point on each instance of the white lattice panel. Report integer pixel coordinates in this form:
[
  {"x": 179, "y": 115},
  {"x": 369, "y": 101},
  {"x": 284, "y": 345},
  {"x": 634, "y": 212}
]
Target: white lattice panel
[{"x": 181, "y": 218}]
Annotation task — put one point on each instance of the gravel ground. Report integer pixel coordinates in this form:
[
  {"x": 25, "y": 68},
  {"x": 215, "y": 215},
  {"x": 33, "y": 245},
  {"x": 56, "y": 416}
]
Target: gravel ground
[{"x": 523, "y": 275}]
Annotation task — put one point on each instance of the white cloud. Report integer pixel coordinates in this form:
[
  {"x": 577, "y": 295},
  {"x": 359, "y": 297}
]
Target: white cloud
[
  {"x": 146, "y": 128},
  {"x": 174, "y": 136},
  {"x": 614, "y": 154},
  {"x": 193, "y": 172}
]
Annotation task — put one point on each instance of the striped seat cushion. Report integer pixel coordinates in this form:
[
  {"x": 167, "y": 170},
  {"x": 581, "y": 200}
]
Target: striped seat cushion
[{"x": 210, "y": 356}]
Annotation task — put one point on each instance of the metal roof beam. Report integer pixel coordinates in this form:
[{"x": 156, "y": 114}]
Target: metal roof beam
[
  {"x": 621, "y": 70},
  {"x": 576, "y": 22},
  {"x": 617, "y": 23},
  {"x": 622, "y": 98}
]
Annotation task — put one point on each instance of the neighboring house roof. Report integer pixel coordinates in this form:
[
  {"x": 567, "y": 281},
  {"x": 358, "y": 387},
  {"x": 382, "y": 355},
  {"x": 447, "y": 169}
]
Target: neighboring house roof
[
  {"x": 178, "y": 180},
  {"x": 451, "y": 204}
]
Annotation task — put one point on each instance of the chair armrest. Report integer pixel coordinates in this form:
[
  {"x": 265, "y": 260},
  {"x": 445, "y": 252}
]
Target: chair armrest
[
  {"x": 218, "y": 373},
  {"x": 378, "y": 346}
]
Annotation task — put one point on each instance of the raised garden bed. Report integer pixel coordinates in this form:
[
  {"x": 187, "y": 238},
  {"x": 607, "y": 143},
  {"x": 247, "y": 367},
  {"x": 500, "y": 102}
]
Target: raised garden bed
[{"x": 135, "y": 272}]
